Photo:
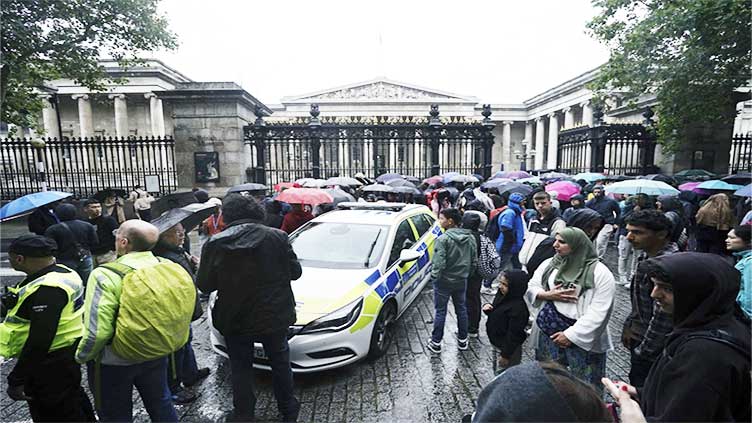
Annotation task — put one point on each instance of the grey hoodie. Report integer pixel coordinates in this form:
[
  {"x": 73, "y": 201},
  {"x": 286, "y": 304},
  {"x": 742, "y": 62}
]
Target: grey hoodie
[{"x": 454, "y": 257}]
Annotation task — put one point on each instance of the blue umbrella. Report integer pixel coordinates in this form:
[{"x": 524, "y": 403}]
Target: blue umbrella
[
  {"x": 719, "y": 186},
  {"x": 589, "y": 177},
  {"x": 641, "y": 186},
  {"x": 744, "y": 192},
  {"x": 30, "y": 202},
  {"x": 448, "y": 176}
]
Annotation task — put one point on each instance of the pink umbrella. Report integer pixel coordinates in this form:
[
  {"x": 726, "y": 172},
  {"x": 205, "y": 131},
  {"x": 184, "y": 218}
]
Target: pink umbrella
[
  {"x": 564, "y": 189},
  {"x": 433, "y": 180},
  {"x": 692, "y": 186},
  {"x": 312, "y": 196}
]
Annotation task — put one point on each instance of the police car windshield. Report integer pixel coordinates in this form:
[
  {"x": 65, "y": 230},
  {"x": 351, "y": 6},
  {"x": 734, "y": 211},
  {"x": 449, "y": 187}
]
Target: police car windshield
[{"x": 340, "y": 245}]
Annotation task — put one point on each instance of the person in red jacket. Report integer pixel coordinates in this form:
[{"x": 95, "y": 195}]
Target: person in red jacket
[{"x": 296, "y": 218}]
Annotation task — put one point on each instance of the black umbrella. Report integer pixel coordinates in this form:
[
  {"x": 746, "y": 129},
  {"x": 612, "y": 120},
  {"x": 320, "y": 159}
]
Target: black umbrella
[
  {"x": 338, "y": 195},
  {"x": 413, "y": 179},
  {"x": 172, "y": 201},
  {"x": 743, "y": 178},
  {"x": 407, "y": 190},
  {"x": 109, "y": 192},
  {"x": 517, "y": 187},
  {"x": 247, "y": 187},
  {"x": 190, "y": 216},
  {"x": 619, "y": 178},
  {"x": 377, "y": 188}
]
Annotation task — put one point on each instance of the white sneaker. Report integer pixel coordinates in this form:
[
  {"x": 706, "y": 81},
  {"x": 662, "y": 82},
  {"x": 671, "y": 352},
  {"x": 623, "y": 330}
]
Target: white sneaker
[{"x": 487, "y": 291}]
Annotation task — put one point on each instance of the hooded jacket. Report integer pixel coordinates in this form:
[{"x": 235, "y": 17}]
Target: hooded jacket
[
  {"x": 522, "y": 394},
  {"x": 71, "y": 235},
  {"x": 700, "y": 379},
  {"x": 673, "y": 209},
  {"x": 744, "y": 266},
  {"x": 455, "y": 257},
  {"x": 507, "y": 320},
  {"x": 250, "y": 265},
  {"x": 511, "y": 228}
]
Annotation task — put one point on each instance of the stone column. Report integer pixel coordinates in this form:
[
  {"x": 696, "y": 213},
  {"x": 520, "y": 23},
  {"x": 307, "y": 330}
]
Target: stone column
[
  {"x": 121, "y": 115},
  {"x": 86, "y": 125},
  {"x": 506, "y": 143},
  {"x": 49, "y": 118},
  {"x": 530, "y": 143},
  {"x": 568, "y": 118},
  {"x": 156, "y": 114},
  {"x": 553, "y": 140},
  {"x": 587, "y": 113},
  {"x": 540, "y": 142}
]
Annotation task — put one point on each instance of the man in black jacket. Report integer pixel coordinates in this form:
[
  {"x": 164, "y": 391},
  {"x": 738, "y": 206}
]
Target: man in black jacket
[
  {"x": 703, "y": 372},
  {"x": 75, "y": 240},
  {"x": 104, "y": 251},
  {"x": 250, "y": 265},
  {"x": 609, "y": 209}
]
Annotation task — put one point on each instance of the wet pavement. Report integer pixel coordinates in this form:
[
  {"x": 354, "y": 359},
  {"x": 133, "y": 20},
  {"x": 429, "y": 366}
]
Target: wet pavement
[{"x": 407, "y": 384}]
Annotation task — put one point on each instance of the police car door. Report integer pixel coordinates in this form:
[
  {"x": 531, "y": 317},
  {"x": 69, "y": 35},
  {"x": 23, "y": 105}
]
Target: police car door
[
  {"x": 398, "y": 276},
  {"x": 426, "y": 230}
]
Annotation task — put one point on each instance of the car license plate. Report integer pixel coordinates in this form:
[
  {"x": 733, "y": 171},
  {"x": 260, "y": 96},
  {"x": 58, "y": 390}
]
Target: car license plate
[{"x": 258, "y": 352}]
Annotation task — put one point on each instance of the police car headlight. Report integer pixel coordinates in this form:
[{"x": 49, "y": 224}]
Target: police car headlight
[{"x": 336, "y": 320}]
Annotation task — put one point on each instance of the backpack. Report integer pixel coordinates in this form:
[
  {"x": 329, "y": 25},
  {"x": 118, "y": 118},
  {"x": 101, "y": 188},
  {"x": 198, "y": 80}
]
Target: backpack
[
  {"x": 489, "y": 262},
  {"x": 492, "y": 228},
  {"x": 156, "y": 306}
]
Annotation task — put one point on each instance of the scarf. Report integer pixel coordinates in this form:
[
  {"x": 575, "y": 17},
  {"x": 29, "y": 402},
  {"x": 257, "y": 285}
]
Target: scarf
[{"x": 576, "y": 268}]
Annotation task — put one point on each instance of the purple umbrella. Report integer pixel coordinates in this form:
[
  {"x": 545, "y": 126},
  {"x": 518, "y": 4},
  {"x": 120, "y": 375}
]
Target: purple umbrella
[
  {"x": 512, "y": 174},
  {"x": 692, "y": 186},
  {"x": 388, "y": 177}
]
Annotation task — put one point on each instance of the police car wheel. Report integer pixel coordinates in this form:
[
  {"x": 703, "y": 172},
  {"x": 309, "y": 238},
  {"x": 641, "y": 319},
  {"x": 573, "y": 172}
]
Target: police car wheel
[{"x": 382, "y": 334}]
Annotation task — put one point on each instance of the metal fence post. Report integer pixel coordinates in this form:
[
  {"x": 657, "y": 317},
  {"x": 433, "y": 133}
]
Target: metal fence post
[
  {"x": 39, "y": 146},
  {"x": 314, "y": 127},
  {"x": 259, "y": 141},
  {"x": 649, "y": 142},
  {"x": 488, "y": 141},
  {"x": 434, "y": 131},
  {"x": 597, "y": 141}
]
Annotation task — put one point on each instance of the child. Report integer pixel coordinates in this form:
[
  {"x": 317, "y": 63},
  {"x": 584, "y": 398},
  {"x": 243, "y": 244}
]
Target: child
[{"x": 507, "y": 318}]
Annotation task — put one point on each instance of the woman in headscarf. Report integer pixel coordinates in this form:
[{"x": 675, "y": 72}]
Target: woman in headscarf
[
  {"x": 739, "y": 242},
  {"x": 714, "y": 219},
  {"x": 573, "y": 294}
]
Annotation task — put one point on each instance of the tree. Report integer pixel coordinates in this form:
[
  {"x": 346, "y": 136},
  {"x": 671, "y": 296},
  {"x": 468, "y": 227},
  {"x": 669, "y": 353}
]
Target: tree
[
  {"x": 693, "y": 55},
  {"x": 43, "y": 40}
]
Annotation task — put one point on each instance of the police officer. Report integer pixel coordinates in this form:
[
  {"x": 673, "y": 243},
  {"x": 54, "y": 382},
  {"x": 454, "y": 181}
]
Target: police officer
[{"x": 42, "y": 327}]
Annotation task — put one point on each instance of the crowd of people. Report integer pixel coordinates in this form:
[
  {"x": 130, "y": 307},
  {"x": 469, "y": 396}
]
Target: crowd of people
[{"x": 120, "y": 296}]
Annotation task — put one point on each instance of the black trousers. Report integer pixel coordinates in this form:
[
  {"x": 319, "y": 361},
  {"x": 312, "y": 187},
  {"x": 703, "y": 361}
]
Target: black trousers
[
  {"x": 474, "y": 283},
  {"x": 56, "y": 391}
]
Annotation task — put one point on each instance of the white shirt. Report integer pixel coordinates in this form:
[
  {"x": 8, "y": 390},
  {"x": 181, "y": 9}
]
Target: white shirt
[{"x": 592, "y": 309}]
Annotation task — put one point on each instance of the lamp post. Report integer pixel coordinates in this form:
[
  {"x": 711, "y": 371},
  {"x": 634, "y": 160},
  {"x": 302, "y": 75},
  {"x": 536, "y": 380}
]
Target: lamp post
[{"x": 524, "y": 155}]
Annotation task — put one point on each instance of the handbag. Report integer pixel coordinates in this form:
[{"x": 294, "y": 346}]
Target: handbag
[
  {"x": 550, "y": 321},
  {"x": 489, "y": 262},
  {"x": 532, "y": 240}
]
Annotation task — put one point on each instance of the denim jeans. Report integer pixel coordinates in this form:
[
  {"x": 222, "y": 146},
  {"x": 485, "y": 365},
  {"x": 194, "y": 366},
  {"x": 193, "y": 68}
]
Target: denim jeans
[
  {"x": 113, "y": 390},
  {"x": 240, "y": 349},
  {"x": 441, "y": 297},
  {"x": 83, "y": 267},
  {"x": 585, "y": 365},
  {"x": 182, "y": 365}
]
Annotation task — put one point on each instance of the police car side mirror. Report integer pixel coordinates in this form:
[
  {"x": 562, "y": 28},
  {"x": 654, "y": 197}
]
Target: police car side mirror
[{"x": 407, "y": 256}]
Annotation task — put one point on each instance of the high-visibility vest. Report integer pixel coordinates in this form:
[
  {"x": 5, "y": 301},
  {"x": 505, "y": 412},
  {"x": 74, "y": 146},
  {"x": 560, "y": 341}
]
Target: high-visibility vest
[{"x": 14, "y": 330}]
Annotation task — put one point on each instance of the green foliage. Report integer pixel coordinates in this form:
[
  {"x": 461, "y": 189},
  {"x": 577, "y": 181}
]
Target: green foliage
[
  {"x": 44, "y": 40},
  {"x": 691, "y": 54}
]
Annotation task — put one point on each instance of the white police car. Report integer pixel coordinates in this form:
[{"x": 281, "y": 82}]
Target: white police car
[{"x": 363, "y": 265}]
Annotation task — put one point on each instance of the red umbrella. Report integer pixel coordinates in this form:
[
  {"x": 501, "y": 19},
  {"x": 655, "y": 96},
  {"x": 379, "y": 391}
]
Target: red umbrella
[
  {"x": 564, "y": 189},
  {"x": 312, "y": 196},
  {"x": 433, "y": 180}
]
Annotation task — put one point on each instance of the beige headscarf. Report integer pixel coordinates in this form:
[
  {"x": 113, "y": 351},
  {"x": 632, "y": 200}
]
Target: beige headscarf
[{"x": 716, "y": 213}]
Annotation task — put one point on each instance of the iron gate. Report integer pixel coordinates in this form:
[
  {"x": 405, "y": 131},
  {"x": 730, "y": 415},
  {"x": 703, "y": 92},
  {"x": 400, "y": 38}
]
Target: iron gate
[
  {"x": 741, "y": 153},
  {"x": 623, "y": 149},
  {"x": 84, "y": 166},
  {"x": 325, "y": 147}
]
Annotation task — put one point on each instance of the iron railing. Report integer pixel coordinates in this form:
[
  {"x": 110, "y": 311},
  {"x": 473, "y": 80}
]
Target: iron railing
[
  {"x": 324, "y": 147},
  {"x": 84, "y": 166},
  {"x": 740, "y": 159}
]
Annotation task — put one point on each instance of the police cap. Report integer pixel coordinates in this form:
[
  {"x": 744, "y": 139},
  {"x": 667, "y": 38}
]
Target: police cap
[{"x": 33, "y": 246}]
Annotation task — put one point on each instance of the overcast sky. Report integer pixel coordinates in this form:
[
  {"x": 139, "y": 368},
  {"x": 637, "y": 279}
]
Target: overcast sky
[{"x": 501, "y": 51}]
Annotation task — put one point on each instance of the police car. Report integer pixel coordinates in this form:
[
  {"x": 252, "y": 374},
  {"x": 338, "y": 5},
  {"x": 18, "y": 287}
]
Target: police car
[{"x": 363, "y": 265}]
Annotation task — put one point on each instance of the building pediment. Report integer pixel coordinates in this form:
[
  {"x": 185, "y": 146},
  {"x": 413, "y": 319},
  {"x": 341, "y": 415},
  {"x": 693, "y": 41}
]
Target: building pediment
[{"x": 380, "y": 91}]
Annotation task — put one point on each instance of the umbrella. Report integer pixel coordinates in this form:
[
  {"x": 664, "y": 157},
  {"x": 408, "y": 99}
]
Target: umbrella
[
  {"x": 511, "y": 174},
  {"x": 301, "y": 181},
  {"x": 464, "y": 179},
  {"x": 533, "y": 180},
  {"x": 339, "y": 196},
  {"x": 479, "y": 177},
  {"x": 564, "y": 189},
  {"x": 517, "y": 187},
  {"x": 689, "y": 186},
  {"x": 743, "y": 178},
  {"x": 312, "y": 196},
  {"x": 641, "y": 186},
  {"x": 550, "y": 176},
  {"x": 394, "y": 183},
  {"x": 343, "y": 181},
  {"x": 172, "y": 201},
  {"x": 412, "y": 179},
  {"x": 495, "y": 183},
  {"x": 190, "y": 216},
  {"x": 746, "y": 191},
  {"x": 247, "y": 187},
  {"x": 29, "y": 202},
  {"x": 314, "y": 183},
  {"x": 388, "y": 177},
  {"x": 659, "y": 177},
  {"x": 694, "y": 175},
  {"x": 278, "y": 187},
  {"x": 378, "y": 188},
  {"x": 433, "y": 180},
  {"x": 407, "y": 190},
  {"x": 108, "y": 192},
  {"x": 589, "y": 177},
  {"x": 447, "y": 177},
  {"x": 618, "y": 178},
  {"x": 719, "y": 186}
]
